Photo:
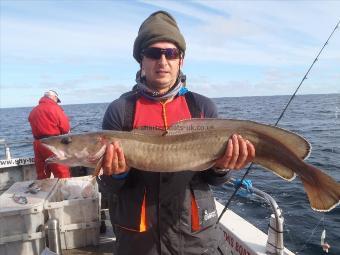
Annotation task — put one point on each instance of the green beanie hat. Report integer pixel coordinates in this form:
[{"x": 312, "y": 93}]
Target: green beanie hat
[{"x": 159, "y": 26}]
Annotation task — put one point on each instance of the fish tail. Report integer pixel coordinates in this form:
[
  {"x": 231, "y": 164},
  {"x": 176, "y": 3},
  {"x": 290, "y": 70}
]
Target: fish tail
[{"x": 322, "y": 190}]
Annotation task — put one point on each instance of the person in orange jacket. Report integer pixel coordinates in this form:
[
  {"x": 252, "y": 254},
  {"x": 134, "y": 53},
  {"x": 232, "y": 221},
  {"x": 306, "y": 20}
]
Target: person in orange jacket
[{"x": 48, "y": 119}]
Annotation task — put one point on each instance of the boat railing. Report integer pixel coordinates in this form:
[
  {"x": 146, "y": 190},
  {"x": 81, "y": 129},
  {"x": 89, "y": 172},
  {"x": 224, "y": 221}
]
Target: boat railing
[{"x": 275, "y": 230}]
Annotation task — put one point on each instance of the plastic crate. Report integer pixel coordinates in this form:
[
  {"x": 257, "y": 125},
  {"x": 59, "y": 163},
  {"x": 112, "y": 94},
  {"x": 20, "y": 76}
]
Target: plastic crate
[
  {"x": 21, "y": 225},
  {"x": 79, "y": 218},
  {"x": 24, "y": 244},
  {"x": 80, "y": 235}
]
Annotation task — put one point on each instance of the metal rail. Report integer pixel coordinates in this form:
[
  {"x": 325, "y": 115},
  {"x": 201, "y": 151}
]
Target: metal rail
[{"x": 275, "y": 231}]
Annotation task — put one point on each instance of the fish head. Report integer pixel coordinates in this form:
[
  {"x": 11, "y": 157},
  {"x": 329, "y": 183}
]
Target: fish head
[{"x": 76, "y": 149}]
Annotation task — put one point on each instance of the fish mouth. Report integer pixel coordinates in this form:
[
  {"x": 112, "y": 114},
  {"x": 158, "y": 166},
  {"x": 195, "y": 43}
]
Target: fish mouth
[
  {"x": 58, "y": 154},
  {"x": 76, "y": 159},
  {"x": 69, "y": 161},
  {"x": 52, "y": 159},
  {"x": 60, "y": 160}
]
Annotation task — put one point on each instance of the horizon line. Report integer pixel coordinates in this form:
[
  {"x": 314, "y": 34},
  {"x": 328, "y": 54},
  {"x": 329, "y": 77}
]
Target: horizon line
[{"x": 213, "y": 98}]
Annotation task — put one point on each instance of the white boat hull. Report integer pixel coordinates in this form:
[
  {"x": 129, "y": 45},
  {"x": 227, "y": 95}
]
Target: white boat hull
[
  {"x": 241, "y": 237},
  {"x": 16, "y": 170}
]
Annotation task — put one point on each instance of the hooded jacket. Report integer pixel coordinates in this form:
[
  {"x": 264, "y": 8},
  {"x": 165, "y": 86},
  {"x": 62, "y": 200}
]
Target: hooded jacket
[
  {"x": 162, "y": 213},
  {"x": 48, "y": 119}
]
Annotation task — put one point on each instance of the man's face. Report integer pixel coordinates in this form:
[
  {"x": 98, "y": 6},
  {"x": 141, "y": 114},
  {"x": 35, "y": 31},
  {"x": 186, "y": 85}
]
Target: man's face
[{"x": 161, "y": 74}]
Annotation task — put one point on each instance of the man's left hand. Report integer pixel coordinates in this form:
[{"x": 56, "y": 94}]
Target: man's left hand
[{"x": 238, "y": 154}]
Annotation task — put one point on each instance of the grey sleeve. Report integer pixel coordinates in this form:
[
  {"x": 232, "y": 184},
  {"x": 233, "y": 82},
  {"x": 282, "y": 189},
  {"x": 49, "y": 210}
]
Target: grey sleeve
[
  {"x": 207, "y": 106},
  {"x": 114, "y": 115},
  {"x": 107, "y": 184},
  {"x": 215, "y": 178}
]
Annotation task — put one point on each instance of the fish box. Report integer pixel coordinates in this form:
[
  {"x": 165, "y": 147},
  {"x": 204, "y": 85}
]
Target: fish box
[
  {"x": 24, "y": 244},
  {"x": 75, "y": 203},
  {"x": 21, "y": 225}
]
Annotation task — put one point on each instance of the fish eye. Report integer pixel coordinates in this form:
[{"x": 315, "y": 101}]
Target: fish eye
[{"x": 66, "y": 140}]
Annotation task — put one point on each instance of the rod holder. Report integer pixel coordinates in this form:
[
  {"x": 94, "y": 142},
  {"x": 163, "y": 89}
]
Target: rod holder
[
  {"x": 7, "y": 153},
  {"x": 275, "y": 236}
]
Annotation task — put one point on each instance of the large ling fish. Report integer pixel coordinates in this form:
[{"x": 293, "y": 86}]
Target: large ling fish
[{"x": 195, "y": 145}]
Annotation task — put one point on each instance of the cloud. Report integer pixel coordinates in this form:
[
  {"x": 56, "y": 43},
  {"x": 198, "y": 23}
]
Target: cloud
[
  {"x": 261, "y": 33},
  {"x": 221, "y": 31},
  {"x": 73, "y": 83},
  {"x": 67, "y": 34},
  {"x": 43, "y": 40},
  {"x": 237, "y": 47}
]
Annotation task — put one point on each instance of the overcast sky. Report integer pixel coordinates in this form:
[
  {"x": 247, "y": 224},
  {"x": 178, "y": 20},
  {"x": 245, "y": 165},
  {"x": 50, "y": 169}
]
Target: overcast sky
[{"x": 83, "y": 49}]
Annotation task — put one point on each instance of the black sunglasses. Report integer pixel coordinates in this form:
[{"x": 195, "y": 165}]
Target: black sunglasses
[{"x": 156, "y": 53}]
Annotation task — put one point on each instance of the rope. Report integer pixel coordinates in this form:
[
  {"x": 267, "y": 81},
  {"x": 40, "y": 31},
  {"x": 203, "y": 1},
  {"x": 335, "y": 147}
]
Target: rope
[{"x": 278, "y": 120}]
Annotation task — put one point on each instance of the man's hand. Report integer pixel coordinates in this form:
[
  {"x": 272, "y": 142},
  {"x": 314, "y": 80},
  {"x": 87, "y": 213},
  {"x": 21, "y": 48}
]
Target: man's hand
[
  {"x": 238, "y": 154},
  {"x": 114, "y": 160}
]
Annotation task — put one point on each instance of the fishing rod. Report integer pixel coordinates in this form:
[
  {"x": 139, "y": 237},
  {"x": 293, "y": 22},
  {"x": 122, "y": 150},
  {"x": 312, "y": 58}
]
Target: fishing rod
[
  {"x": 75, "y": 126},
  {"x": 278, "y": 120},
  {"x": 80, "y": 123}
]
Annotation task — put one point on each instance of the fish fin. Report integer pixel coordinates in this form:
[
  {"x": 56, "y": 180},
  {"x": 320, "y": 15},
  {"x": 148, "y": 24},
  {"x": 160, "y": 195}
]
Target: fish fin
[
  {"x": 322, "y": 190},
  {"x": 278, "y": 169},
  {"x": 150, "y": 131},
  {"x": 296, "y": 143},
  {"x": 190, "y": 126}
]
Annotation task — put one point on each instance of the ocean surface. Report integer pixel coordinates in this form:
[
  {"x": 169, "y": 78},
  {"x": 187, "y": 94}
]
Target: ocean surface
[{"x": 316, "y": 117}]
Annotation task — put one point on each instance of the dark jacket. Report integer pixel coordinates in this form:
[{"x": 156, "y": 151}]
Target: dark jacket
[{"x": 178, "y": 208}]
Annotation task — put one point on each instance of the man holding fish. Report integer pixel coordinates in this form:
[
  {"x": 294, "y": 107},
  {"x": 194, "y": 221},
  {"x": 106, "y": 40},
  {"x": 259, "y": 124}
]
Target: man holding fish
[{"x": 154, "y": 212}]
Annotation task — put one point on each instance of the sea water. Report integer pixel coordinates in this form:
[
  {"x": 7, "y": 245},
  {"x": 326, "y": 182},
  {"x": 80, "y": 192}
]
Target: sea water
[{"x": 316, "y": 117}]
